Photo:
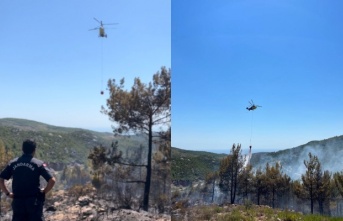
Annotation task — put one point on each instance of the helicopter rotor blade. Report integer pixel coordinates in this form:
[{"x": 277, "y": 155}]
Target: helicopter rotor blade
[
  {"x": 111, "y": 24},
  {"x": 97, "y": 20},
  {"x": 93, "y": 29}
]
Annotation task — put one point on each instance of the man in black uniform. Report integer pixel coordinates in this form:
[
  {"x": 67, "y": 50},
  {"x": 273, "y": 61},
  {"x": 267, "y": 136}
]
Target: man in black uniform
[{"x": 28, "y": 198}]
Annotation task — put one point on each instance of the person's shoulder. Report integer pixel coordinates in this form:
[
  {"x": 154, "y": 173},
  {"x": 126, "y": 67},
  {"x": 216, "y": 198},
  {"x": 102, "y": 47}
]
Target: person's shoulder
[
  {"x": 14, "y": 160},
  {"x": 37, "y": 161}
]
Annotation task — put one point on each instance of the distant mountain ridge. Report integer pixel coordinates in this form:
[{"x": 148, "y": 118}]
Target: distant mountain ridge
[
  {"x": 33, "y": 125},
  {"x": 190, "y": 165},
  {"x": 329, "y": 152},
  {"x": 59, "y": 144}
]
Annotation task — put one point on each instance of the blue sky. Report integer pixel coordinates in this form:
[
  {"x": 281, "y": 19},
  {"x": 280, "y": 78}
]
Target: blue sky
[
  {"x": 286, "y": 55},
  {"x": 52, "y": 68}
]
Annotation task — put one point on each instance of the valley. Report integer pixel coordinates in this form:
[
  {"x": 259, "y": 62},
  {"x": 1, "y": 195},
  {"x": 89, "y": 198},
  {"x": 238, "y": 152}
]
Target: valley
[{"x": 99, "y": 176}]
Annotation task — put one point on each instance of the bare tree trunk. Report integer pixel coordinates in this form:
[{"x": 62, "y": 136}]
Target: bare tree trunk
[{"x": 148, "y": 172}]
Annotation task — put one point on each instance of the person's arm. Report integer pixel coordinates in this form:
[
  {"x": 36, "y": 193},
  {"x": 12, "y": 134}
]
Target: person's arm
[
  {"x": 4, "y": 188},
  {"x": 49, "y": 185}
]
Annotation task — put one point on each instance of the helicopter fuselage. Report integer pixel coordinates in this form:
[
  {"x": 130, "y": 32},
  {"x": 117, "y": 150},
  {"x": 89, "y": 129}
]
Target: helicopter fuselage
[
  {"x": 102, "y": 32},
  {"x": 253, "y": 107}
]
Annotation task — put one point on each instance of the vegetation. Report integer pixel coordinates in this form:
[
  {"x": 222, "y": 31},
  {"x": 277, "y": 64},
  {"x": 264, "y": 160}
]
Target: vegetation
[
  {"x": 188, "y": 166},
  {"x": 241, "y": 212},
  {"x": 119, "y": 179},
  {"x": 117, "y": 170},
  {"x": 328, "y": 152},
  {"x": 277, "y": 184},
  {"x": 5, "y": 156},
  {"x": 237, "y": 181},
  {"x": 231, "y": 167},
  {"x": 58, "y": 145},
  {"x": 142, "y": 109},
  {"x": 72, "y": 175},
  {"x": 315, "y": 184}
]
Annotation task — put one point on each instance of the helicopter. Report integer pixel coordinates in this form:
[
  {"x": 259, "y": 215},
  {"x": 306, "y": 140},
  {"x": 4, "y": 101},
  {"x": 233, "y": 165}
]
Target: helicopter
[
  {"x": 252, "y": 106},
  {"x": 101, "y": 28}
]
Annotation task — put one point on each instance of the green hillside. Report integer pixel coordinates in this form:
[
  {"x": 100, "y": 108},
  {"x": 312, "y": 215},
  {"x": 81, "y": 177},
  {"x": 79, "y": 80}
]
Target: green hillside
[
  {"x": 59, "y": 144},
  {"x": 190, "y": 165}
]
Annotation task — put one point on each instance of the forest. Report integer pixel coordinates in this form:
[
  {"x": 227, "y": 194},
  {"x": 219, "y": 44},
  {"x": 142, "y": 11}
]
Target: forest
[{"x": 237, "y": 182}]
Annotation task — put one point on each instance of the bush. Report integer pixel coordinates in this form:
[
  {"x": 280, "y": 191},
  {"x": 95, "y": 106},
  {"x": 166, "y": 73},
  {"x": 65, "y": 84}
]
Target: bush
[
  {"x": 162, "y": 201},
  {"x": 248, "y": 204},
  {"x": 80, "y": 190},
  {"x": 175, "y": 194},
  {"x": 234, "y": 216},
  {"x": 289, "y": 216},
  {"x": 206, "y": 212},
  {"x": 181, "y": 205},
  {"x": 96, "y": 182}
]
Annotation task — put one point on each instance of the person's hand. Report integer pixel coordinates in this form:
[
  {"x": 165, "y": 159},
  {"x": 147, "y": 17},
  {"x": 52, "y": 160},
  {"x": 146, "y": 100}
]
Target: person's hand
[
  {"x": 10, "y": 195},
  {"x": 41, "y": 195}
]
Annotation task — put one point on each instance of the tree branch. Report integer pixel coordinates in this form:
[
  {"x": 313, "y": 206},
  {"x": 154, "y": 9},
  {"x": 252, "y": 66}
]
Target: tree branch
[
  {"x": 131, "y": 181},
  {"x": 133, "y": 165}
]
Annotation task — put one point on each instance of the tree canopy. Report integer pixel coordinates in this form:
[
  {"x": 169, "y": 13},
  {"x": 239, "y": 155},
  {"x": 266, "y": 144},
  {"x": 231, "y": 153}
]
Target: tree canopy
[{"x": 146, "y": 108}]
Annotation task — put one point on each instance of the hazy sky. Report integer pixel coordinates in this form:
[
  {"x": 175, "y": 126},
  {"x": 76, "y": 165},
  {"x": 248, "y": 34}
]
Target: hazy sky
[
  {"x": 286, "y": 55},
  {"x": 52, "y": 68}
]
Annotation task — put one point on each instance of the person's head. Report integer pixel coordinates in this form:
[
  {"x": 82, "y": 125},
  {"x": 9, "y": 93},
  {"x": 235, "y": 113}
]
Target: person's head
[{"x": 29, "y": 146}]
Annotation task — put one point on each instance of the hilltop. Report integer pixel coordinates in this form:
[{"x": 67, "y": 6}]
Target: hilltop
[
  {"x": 329, "y": 152},
  {"x": 60, "y": 145}
]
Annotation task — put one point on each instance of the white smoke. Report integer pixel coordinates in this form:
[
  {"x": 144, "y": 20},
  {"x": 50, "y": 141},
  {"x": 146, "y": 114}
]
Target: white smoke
[
  {"x": 247, "y": 158},
  {"x": 329, "y": 153}
]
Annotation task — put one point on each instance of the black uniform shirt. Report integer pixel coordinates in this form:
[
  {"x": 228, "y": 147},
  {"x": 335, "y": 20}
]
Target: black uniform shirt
[{"x": 26, "y": 171}]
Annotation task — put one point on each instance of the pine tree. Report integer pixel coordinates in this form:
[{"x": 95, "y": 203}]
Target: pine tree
[
  {"x": 259, "y": 185},
  {"x": 338, "y": 178},
  {"x": 316, "y": 185},
  {"x": 323, "y": 189},
  {"x": 274, "y": 182},
  {"x": 141, "y": 109},
  {"x": 284, "y": 192},
  {"x": 99, "y": 160},
  {"x": 210, "y": 179},
  {"x": 230, "y": 169},
  {"x": 245, "y": 181}
]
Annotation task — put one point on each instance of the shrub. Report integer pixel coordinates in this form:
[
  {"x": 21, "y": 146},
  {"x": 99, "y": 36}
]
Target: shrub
[
  {"x": 289, "y": 216},
  {"x": 248, "y": 204},
  {"x": 162, "y": 201},
  {"x": 206, "y": 212},
  {"x": 234, "y": 216},
  {"x": 80, "y": 190}
]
